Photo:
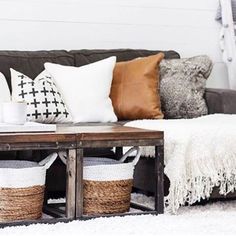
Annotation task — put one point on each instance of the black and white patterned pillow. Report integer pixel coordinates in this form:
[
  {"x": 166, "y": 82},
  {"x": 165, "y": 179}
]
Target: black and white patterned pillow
[{"x": 44, "y": 101}]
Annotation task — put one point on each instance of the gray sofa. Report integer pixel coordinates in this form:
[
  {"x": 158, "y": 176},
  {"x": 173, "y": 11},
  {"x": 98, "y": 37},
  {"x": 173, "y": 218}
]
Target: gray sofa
[
  {"x": 221, "y": 101},
  {"x": 31, "y": 63}
]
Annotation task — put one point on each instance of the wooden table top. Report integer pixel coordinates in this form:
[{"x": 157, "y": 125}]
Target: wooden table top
[{"x": 71, "y": 133}]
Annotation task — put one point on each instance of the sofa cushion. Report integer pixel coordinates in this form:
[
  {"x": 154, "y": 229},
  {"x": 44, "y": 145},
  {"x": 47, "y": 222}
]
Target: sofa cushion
[
  {"x": 31, "y": 63},
  {"x": 134, "y": 88},
  {"x": 83, "y": 57},
  {"x": 4, "y": 93},
  {"x": 44, "y": 102},
  {"x": 86, "y": 89},
  {"x": 182, "y": 86}
]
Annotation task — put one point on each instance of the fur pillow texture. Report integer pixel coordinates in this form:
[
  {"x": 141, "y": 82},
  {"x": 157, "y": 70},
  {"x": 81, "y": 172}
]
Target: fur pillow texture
[{"x": 182, "y": 86}]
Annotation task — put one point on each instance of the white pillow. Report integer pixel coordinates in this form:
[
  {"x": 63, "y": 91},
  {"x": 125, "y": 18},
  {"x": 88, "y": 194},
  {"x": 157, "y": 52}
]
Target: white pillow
[
  {"x": 86, "y": 89},
  {"x": 5, "y": 95},
  {"x": 44, "y": 101}
]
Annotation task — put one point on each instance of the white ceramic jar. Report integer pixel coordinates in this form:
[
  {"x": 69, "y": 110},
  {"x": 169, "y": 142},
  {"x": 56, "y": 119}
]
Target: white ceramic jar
[{"x": 14, "y": 112}]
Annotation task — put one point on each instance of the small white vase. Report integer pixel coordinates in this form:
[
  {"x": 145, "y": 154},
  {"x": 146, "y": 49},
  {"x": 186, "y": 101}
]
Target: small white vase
[{"x": 14, "y": 112}]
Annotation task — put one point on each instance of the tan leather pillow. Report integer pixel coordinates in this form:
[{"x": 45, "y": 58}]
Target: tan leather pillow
[{"x": 134, "y": 88}]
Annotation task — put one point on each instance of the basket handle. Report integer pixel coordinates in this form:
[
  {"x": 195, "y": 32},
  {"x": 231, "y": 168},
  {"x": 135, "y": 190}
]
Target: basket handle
[
  {"x": 131, "y": 150},
  {"x": 47, "y": 162},
  {"x": 62, "y": 156}
]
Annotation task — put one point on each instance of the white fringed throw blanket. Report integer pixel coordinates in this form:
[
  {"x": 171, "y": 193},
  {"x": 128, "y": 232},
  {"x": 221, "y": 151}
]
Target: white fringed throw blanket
[{"x": 200, "y": 153}]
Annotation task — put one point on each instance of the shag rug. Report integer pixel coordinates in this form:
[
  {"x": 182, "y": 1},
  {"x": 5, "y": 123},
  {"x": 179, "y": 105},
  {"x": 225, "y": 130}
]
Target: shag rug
[
  {"x": 200, "y": 154},
  {"x": 211, "y": 219}
]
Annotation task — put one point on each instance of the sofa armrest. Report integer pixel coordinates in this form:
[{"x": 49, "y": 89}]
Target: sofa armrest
[{"x": 221, "y": 101}]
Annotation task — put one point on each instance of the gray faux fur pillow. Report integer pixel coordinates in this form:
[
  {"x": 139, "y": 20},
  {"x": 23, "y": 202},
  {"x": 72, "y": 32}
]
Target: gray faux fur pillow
[{"x": 182, "y": 86}]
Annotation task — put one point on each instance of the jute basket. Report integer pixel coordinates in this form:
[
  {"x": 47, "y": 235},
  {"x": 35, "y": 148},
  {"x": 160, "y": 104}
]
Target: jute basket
[
  {"x": 107, "y": 184},
  {"x": 22, "y": 186}
]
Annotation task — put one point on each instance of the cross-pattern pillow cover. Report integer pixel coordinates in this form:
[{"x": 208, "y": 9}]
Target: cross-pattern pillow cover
[{"x": 44, "y": 101}]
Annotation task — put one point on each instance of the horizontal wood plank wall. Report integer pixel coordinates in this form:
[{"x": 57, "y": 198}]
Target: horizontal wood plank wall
[{"x": 187, "y": 26}]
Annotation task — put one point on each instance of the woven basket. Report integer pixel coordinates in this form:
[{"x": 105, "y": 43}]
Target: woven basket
[
  {"x": 22, "y": 186},
  {"x": 107, "y": 184}
]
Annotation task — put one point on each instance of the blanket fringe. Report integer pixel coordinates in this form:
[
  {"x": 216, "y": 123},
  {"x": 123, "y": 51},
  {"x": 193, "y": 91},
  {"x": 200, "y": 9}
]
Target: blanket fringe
[
  {"x": 204, "y": 177},
  {"x": 197, "y": 189},
  {"x": 200, "y": 154}
]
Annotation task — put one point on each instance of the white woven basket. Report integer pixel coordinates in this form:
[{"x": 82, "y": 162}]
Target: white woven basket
[
  {"x": 105, "y": 169},
  {"x": 107, "y": 183},
  {"x": 23, "y": 174},
  {"x": 22, "y": 185}
]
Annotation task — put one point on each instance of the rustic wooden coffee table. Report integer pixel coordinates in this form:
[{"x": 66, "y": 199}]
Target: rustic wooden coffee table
[
  {"x": 62, "y": 139},
  {"x": 74, "y": 139},
  {"x": 120, "y": 136}
]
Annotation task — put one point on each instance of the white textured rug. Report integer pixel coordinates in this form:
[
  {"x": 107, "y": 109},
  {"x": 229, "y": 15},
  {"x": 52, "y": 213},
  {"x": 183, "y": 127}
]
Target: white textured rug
[{"x": 211, "y": 219}]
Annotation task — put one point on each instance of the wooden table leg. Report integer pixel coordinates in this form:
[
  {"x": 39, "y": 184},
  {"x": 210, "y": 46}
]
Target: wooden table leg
[
  {"x": 159, "y": 174},
  {"x": 70, "y": 184},
  {"x": 119, "y": 152},
  {"x": 79, "y": 183}
]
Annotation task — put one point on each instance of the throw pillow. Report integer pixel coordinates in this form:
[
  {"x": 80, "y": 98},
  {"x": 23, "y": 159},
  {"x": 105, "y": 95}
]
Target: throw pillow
[
  {"x": 44, "y": 101},
  {"x": 134, "y": 87},
  {"x": 182, "y": 86},
  {"x": 5, "y": 95},
  {"x": 86, "y": 89}
]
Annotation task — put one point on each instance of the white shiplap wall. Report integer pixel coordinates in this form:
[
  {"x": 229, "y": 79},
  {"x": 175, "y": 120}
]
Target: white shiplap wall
[{"x": 187, "y": 26}]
